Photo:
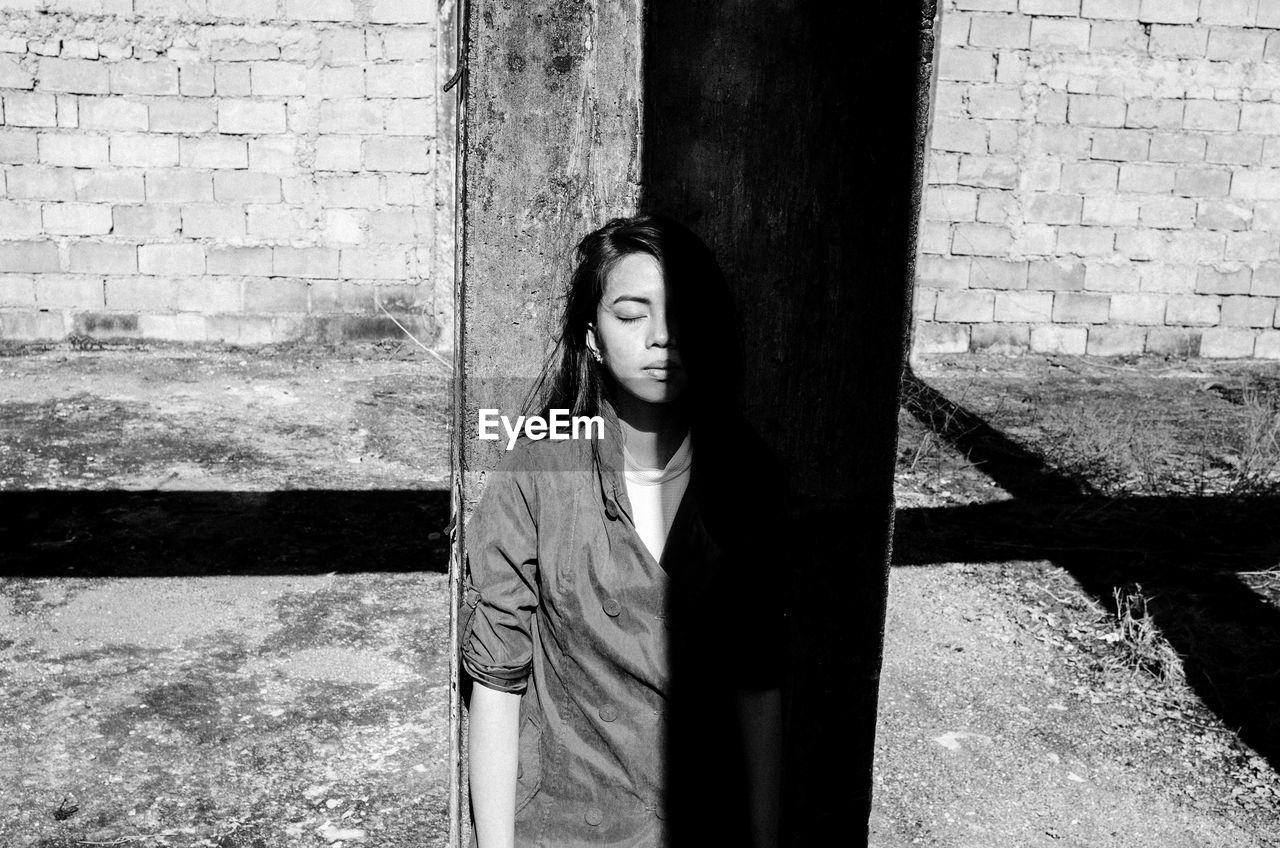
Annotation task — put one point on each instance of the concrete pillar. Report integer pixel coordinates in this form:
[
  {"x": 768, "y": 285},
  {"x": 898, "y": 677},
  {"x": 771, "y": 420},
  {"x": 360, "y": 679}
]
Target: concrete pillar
[{"x": 791, "y": 136}]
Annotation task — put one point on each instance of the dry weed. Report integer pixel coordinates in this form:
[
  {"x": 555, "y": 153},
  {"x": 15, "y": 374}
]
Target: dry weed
[{"x": 1137, "y": 632}]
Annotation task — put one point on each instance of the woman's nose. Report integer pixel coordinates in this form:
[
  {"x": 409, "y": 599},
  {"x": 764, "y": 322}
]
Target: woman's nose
[{"x": 659, "y": 332}]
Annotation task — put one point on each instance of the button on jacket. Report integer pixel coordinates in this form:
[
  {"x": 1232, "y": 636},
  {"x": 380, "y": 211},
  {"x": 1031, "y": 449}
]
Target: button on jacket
[{"x": 628, "y": 666}]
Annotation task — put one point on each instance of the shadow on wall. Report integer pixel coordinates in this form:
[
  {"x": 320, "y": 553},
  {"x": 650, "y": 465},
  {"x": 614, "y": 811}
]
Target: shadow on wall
[
  {"x": 193, "y": 534},
  {"x": 1184, "y": 551}
]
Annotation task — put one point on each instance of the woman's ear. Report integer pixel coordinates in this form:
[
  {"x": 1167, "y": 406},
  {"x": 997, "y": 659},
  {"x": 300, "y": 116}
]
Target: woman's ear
[{"x": 592, "y": 345}]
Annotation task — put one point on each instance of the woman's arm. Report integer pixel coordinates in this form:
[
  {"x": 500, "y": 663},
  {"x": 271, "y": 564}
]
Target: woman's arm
[
  {"x": 492, "y": 751},
  {"x": 760, "y": 718}
]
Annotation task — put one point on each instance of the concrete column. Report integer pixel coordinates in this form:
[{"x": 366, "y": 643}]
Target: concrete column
[{"x": 791, "y": 136}]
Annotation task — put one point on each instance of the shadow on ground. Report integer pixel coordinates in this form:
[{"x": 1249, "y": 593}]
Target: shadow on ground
[
  {"x": 190, "y": 534},
  {"x": 1184, "y": 552}
]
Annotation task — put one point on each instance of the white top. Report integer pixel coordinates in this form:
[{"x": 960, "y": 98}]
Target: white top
[{"x": 655, "y": 494}]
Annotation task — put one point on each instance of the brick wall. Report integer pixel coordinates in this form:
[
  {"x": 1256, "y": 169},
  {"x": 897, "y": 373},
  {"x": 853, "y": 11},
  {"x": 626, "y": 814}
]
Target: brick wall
[
  {"x": 1104, "y": 178},
  {"x": 238, "y": 170}
]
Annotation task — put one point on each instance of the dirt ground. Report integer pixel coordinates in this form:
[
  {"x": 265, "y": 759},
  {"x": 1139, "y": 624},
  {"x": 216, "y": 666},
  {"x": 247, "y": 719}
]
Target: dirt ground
[{"x": 223, "y": 615}]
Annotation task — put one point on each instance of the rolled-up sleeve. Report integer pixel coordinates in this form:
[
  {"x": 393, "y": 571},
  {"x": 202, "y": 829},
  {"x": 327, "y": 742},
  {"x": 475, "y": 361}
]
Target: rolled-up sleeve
[{"x": 500, "y": 583}]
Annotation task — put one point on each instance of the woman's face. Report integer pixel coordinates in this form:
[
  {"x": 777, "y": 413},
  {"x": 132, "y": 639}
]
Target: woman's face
[{"x": 633, "y": 334}]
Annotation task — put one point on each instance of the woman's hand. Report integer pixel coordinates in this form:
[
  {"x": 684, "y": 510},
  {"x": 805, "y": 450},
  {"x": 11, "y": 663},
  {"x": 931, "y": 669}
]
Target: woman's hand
[{"x": 493, "y": 750}]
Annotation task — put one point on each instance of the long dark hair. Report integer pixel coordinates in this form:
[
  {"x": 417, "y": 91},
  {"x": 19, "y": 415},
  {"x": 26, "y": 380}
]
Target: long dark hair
[{"x": 704, "y": 320}]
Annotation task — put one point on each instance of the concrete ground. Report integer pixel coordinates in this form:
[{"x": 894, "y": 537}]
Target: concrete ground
[
  {"x": 224, "y": 622},
  {"x": 224, "y": 610}
]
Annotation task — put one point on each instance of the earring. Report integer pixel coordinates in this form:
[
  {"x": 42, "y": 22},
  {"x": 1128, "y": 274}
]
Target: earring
[{"x": 599, "y": 359}]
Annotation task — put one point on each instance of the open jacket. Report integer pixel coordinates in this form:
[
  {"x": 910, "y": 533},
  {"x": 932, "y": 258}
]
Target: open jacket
[{"x": 629, "y": 734}]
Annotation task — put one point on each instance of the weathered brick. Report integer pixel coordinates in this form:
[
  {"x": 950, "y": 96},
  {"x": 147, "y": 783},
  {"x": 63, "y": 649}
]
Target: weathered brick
[
  {"x": 239, "y": 261},
  {"x": 1256, "y": 184},
  {"x": 1236, "y": 13},
  {"x": 1032, "y": 306},
  {"x": 950, "y": 203},
  {"x": 1174, "y": 341},
  {"x": 1006, "y": 339},
  {"x": 69, "y": 291},
  {"x": 338, "y": 153},
  {"x": 319, "y": 10},
  {"x": 1235, "y": 149},
  {"x": 1114, "y": 10},
  {"x": 399, "y": 79},
  {"x": 397, "y": 154},
  {"x": 1267, "y": 345},
  {"x": 245, "y": 187},
  {"x": 1178, "y": 42},
  {"x": 1110, "y": 210},
  {"x": 935, "y": 237},
  {"x": 111, "y": 186},
  {"x": 1058, "y": 339},
  {"x": 1145, "y": 309},
  {"x": 1242, "y": 311},
  {"x": 41, "y": 182},
  {"x": 1266, "y": 280},
  {"x": 213, "y": 221},
  {"x": 1055, "y": 275},
  {"x": 998, "y": 207},
  {"x": 1117, "y": 37},
  {"x": 208, "y": 295},
  {"x": 213, "y": 152},
  {"x": 179, "y": 185},
  {"x": 966, "y": 64},
  {"x": 112, "y": 113},
  {"x": 1222, "y": 215},
  {"x": 375, "y": 263},
  {"x": 165, "y": 259},
  {"x": 988, "y": 172},
  {"x": 953, "y": 28},
  {"x": 1202, "y": 182},
  {"x": 1169, "y": 11},
  {"x": 143, "y": 150},
  {"x": 1085, "y": 241},
  {"x": 158, "y": 77},
  {"x": 965, "y": 306},
  {"x": 1252, "y": 247},
  {"x": 80, "y": 151},
  {"x": 278, "y": 222},
  {"x": 1100, "y": 277},
  {"x": 1120, "y": 145},
  {"x": 1268, "y": 14},
  {"x": 922, "y": 303},
  {"x": 1059, "y": 35},
  {"x": 351, "y": 115},
  {"x": 1165, "y": 213},
  {"x": 1095, "y": 111},
  {"x": 943, "y": 272},
  {"x": 1154, "y": 113},
  {"x": 1177, "y": 147},
  {"x": 1217, "y": 343},
  {"x": 1052, "y": 208},
  {"x": 238, "y": 50},
  {"x": 237, "y": 117},
  {"x": 1116, "y": 341},
  {"x": 1061, "y": 8},
  {"x": 196, "y": 79},
  {"x": 180, "y": 115},
  {"x": 26, "y": 109},
  {"x": 138, "y": 294},
  {"x": 356, "y": 191},
  {"x": 408, "y": 117},
  {"x": 178, "y": 328},
  {"x": 1089, "y": 177},
  {"x": 276, "y": 295},
  {"x": 277, "y": 79},
  {"x": 34, "y": 256},
  {"x": 1147, "y": 179},
  {"x": 931, "y": 337},
  {"x": 1034, "y": 240},
  {"x": 87, "y": 257},
  {"x": 17, "y": 292},
  {"x": 1060, "y": 141},
  {"x": 231, "y": 79},
  {"x": 1224, "y": 280},
  {"x": 995, "y": 102},
  {"x": 980, "y": 240},
  {"x": 320, "y": 262},
  {"x": 991, "y": 273},
  {"x": 1193, "y": 310},
  {"x": 1235, "y": 45},
  {"x": 1216, "y": 115},
  {"x": 344, "y": 226},
  {"x": 76, "y": 76},
  {"x": 999, "y": 31}
]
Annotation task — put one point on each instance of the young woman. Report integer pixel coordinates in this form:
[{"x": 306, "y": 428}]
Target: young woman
[{"x": 625, "y": 596}]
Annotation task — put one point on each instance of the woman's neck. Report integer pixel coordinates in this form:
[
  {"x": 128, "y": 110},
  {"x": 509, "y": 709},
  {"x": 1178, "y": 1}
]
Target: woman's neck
[{"x": 652, "y": 432}]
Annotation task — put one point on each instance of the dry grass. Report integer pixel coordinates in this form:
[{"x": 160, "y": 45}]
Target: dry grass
[{"x": 1146, "y": 647}]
